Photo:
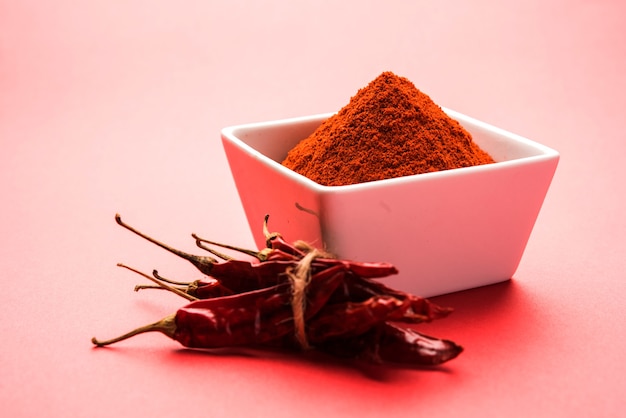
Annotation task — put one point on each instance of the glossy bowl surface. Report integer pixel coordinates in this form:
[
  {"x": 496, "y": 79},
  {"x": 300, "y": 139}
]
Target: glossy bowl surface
[{"x": 445, "y": 231}]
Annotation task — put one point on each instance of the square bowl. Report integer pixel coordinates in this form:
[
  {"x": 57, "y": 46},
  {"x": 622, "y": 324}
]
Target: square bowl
[{"x": 445, "y": 231}]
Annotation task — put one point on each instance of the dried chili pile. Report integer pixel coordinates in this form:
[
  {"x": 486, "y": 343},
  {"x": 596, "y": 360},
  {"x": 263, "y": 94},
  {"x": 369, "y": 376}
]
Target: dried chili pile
[
  {"x": 296, "y": 297},
  {"x": 388, "y": 129}
]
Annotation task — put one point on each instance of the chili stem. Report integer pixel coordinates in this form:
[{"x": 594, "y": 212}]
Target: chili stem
[
  {"x": 269, "y": 236},
  {"x": 163, "y": 279},
  {"x": 147, "y": 286},
  {"x": 166, "y": 326},
  {"x": 194, "y": 259},
  {"x": 199, "y": 243},
  {"x": 161, "y": 284},
  {"x": 230, "y": 247}
]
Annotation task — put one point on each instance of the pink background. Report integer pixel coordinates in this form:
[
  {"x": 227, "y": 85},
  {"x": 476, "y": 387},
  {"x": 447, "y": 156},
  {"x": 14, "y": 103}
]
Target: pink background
[{"x": 111, "y": 106}]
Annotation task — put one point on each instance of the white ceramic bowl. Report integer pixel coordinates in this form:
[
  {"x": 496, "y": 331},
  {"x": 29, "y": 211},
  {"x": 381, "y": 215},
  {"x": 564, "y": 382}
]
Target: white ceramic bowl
[{"x": 444, "y": 231}]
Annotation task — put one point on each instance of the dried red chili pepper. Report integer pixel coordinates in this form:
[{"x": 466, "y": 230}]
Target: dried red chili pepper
[
  {"x": 350, "y": 319},
  {"x": 280, "y": 250},
  {"x": 235, "y": 275},
  {"x": 358, "y": 289},
  {"x": 294, "y": 292},
  {"x": 205, "y": 288},
  {"x": 392, "y": 344},
  {"x": 407, "y": 346},
  {"x": 354, "y": 289},
  {"x": 249, "y": 318},
  {"x": 241, "y": 275},
  {"x": 262, "y": 317}
]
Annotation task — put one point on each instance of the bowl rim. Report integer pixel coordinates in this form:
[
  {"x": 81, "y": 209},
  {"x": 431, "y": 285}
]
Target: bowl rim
[{"x": 229, "y": 133}]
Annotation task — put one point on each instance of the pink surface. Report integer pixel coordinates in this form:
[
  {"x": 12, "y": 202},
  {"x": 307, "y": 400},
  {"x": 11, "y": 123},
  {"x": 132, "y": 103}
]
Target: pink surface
[{"x": 116, "y": 107}]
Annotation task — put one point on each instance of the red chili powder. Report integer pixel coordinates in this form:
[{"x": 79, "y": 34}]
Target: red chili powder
[{"x": 388, "y": 129}]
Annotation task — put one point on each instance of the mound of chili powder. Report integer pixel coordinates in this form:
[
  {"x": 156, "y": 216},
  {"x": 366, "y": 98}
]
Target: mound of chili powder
[{"x": 388, "y": 129}]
